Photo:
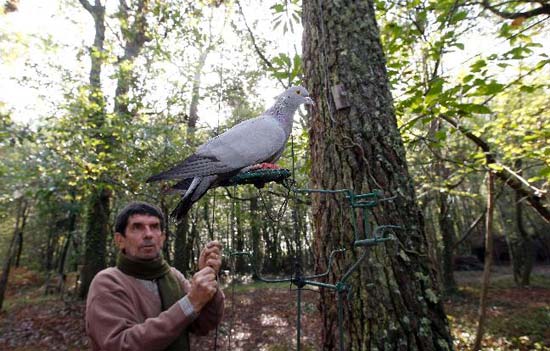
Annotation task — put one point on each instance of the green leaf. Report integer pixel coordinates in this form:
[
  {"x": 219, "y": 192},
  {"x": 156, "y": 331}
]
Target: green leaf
[
  {"x": 474, "y": 108},
  {"x": 527, "y": 88},
  {"x": 490, "y": 89},
  {"x": 545, "y": 172},
  {"x": 278, "y": 8},
  {"x": 457, "y": 17},
  {"x": 440, "y": 135},
  {"x": 495, "y": 166},
  {"x": 478, "y": 65}
]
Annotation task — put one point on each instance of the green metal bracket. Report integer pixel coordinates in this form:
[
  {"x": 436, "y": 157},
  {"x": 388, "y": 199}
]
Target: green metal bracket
[{"x": 358, "y": 202}]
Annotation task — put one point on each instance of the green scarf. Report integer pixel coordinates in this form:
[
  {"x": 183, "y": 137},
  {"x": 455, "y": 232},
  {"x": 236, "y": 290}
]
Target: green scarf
[{"x": 170, "y": 288}]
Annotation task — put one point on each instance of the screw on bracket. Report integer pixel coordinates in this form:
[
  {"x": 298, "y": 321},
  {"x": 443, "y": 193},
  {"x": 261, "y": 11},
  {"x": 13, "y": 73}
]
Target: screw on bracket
[{"x": 340, "y": 96}]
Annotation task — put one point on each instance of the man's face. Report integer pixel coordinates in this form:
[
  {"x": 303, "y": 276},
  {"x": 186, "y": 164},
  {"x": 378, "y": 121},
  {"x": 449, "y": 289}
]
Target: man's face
[{"x": 143, "y": 237}]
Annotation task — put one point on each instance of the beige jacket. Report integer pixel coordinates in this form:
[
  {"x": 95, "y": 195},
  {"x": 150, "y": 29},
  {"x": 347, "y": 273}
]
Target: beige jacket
[{"x": 122, "y": 313}]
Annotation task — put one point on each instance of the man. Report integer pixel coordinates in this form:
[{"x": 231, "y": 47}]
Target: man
[{"x": 143, "y": 303}]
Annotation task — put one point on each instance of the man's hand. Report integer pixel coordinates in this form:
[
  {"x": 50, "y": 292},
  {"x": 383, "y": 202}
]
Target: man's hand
[
  {"x": 203, "y": 288},
  {"x": 211, "y": 256}
]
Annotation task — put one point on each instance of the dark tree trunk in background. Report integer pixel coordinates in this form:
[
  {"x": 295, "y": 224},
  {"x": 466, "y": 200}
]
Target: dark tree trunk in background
[
  {"x": 19, "y": 244},
  {"x": 23, "y": 222},
  {"x": 255, "y": 233},
  {"x": 520, "y": 244},
  {"x": 97, "y": 230},
  {"x": 485, "y": 280},
  {"x": 50, "y": 247},
  {"x": 169, "y": 235},
  {"x": 360, "y": 147},
  {"x": 70, "y": 232},
  {"x": 20, "y": 219},
  {"x": 242, "y": 262},
  {"x": 181, "y": 248},
  {"x": 271, "y": 249},
  {"x": 448, "y": 234},
  {"x": 522, "y": 249}
]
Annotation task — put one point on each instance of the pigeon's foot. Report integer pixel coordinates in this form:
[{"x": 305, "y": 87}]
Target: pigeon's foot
[
  {"x": 266, "y": 165},
  {"x": 258, "y": 166}
]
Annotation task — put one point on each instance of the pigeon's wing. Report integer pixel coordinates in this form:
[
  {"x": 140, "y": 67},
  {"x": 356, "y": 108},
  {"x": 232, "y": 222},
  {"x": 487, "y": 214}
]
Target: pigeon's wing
[{"x": 250, "y": 142}]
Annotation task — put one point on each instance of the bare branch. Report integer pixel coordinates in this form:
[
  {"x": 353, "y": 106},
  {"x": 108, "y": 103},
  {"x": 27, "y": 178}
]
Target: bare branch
[
  {"x": 544, "y": 9},
  {"x": 534, "y": 198},
  {"x": 538, "y": 192},
  {"x": 87, "y": 6},
  {"x": 256, "y": 47},
  {"x": 470, "y": 229}
]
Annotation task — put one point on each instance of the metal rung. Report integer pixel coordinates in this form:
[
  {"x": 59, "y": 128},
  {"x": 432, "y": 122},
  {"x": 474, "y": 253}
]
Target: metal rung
[{"x": 371, "y": 242}]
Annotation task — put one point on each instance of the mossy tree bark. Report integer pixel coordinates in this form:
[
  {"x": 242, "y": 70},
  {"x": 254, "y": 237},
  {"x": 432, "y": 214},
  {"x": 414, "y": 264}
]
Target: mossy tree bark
[
  {"x": 99, "y": 201},
  {"x": 360, "y": 147},
  {"x": 134, "y": 34}
]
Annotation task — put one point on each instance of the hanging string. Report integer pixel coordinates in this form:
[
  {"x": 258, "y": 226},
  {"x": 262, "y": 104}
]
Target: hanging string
[
  {"x": 233, "y": 261},
  {"x": 212, "y": 232},
  {"x": 297, "y": 242}
]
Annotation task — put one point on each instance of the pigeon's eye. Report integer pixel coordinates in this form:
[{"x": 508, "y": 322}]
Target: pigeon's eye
[{"x": 298, "y": 92}]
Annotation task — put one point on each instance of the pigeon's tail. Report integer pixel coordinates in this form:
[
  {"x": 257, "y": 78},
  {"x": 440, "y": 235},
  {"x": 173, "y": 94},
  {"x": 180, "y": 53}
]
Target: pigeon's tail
[{"x": 196, "y": 190}]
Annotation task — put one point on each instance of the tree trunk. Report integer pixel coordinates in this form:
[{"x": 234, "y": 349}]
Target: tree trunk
[
  {"x": 20, "y": 220},
  {"x": 181, "y": 255},
  {"x": 192, "y": 238},
  {"x": 6, "y": 267},
  {"x": 20, "y": 210},
  {"x": 359, "y": 147},
  {"x": 255, "y": 233},
  {"x": 70, "y": 232},
  {"x": 166, "y": 249},
  {"x": 271, "y": 250},
  {"x": 523, "y": 250},
  {"x": 521, "y": 245},
  {"x": 98, "y": 202},
  {"x": 242, "y": 262},
  {"x": 182, "y": 248},
  {"x": 20, "y": 234},
  {"x": 48, "y": 255},
  {"x": 488, "y": 262},
  {"x": 97, "y": 230},
  {"x": 195, "y": 96},
  {"x": 135, "y": 36},
  {"x": 448, "y": 235}
]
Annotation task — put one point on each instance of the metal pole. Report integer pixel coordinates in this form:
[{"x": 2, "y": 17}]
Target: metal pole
[
  {"x": 340, "y": 320},
  {"x": 298, "y": 317}
]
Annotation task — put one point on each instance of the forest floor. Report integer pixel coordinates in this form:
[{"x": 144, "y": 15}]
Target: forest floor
[{"x": 265, "y": 316}]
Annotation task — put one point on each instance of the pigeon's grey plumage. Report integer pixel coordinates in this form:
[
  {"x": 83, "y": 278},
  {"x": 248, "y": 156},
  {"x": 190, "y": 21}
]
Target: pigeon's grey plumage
[{"x": 249, "y": 143}]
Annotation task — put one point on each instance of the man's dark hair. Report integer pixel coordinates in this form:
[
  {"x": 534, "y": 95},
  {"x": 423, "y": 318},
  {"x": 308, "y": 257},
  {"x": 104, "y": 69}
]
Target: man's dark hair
[{"x": 137, "y": 208}]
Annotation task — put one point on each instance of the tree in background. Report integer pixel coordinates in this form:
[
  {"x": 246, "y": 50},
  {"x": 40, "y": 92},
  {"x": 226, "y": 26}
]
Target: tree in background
[{"x": 97, "y": 228}]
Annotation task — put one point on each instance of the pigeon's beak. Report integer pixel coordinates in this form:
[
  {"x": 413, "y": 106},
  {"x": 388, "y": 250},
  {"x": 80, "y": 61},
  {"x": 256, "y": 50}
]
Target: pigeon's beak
[{"x": 309, "y": 101}]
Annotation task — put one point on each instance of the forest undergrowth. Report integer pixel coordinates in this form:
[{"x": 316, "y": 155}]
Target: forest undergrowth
[{"x": 261, "y": 316}]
